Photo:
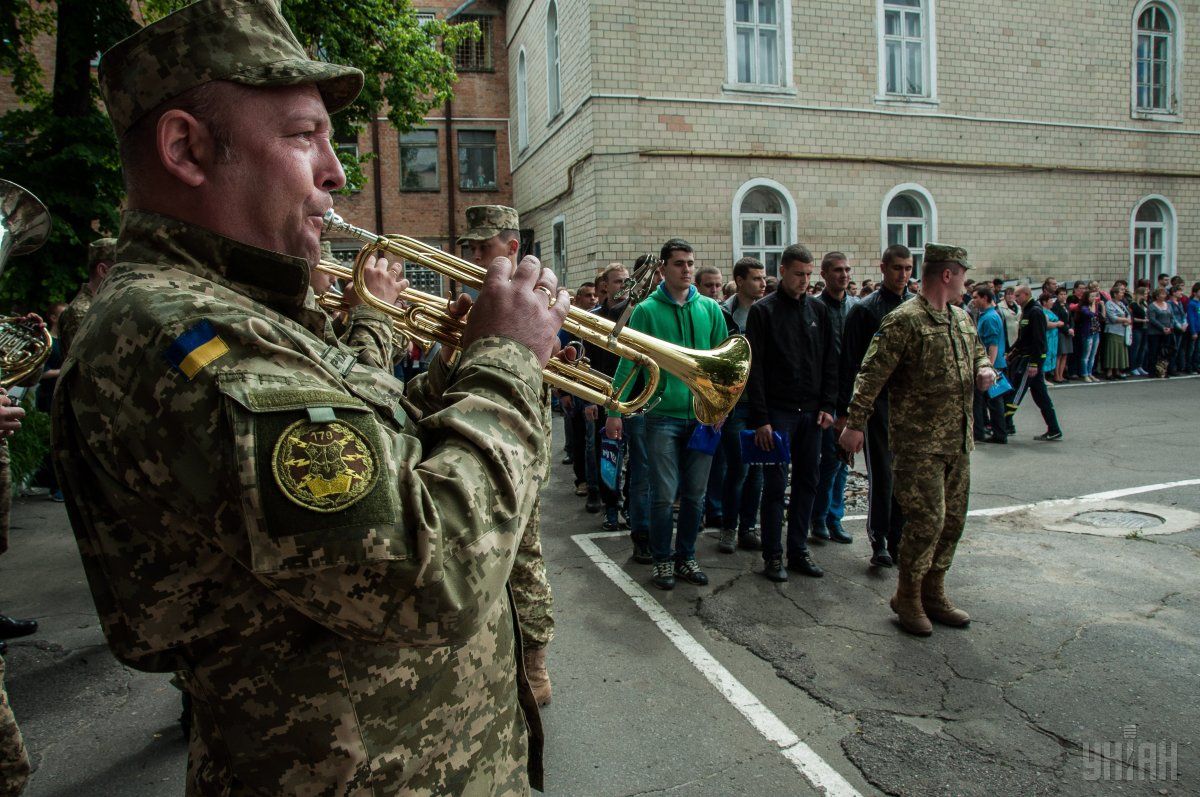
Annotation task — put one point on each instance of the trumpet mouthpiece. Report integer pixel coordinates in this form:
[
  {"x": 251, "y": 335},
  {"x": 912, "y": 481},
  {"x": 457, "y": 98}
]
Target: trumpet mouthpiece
[{"x": 331, "y": 221}]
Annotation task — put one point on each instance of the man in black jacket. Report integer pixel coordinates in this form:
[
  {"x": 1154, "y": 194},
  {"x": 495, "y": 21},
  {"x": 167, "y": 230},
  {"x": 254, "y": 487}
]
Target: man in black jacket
[
  {"x": 1026, "y": 361},
  {"x": 793, "y": 389},
  {"x": 829, "y": 506},
  {"x": 884, "y": 521}
]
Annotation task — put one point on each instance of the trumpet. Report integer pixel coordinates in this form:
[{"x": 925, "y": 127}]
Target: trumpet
[{"x": 715, "y": 378}]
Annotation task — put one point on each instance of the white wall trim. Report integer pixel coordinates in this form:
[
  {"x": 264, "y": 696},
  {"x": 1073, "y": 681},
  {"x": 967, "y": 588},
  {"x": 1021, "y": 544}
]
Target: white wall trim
[
  {"x": 522, "y": 72},
  {"x": 785, "y": 45},
  {"x": 551, "y": 110},
  {"x": 791, "y": 235},
  {"x": 923, "y": 197},
  {"x": 1170, "y": 239},
  {"x": 1177, "y": 51}
]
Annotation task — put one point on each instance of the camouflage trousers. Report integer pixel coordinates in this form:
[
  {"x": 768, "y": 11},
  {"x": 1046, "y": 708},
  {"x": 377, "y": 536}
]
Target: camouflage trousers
[
  {"x": 531, "y": 588},
  {"x": 932, "y": 492},
  {"x": 14, "y": 762}
]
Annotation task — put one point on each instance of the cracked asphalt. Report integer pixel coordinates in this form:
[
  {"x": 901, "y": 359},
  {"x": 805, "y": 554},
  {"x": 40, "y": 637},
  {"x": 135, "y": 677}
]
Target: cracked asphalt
[{"x": 1083, "y": 654}]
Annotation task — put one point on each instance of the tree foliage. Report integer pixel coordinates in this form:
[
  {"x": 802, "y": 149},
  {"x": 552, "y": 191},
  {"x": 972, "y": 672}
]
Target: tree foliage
[{"x": 59, "y": 144}]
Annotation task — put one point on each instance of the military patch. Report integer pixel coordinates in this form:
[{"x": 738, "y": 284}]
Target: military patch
[
  {"x": 196, "y": 349},
  {"x": 324, "y": 466}
]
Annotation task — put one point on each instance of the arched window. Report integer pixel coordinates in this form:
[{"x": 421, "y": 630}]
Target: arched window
[
  {"x": 1153, "y": 244},
  {"x": 553, "y": 98},
  {"x": 522, "y": 104},
  {"x": 909, "y": 218},
  {"x": 764, "y": 222},
  {"x": 1156, "y": 54}
]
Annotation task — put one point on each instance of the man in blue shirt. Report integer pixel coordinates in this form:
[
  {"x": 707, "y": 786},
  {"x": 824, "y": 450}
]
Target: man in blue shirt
[{"x": 992, "y": 335}]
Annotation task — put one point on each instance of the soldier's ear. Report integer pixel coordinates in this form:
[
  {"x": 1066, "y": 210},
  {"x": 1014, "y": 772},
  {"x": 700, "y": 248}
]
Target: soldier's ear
[{"x": 185, "y": 147}]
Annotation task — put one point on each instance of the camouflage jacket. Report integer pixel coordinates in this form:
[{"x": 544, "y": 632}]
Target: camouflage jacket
[
  {"x": 928, "y": 360},
  {"x": 324, "y": 565},
  {"x": 72, "y": 317}
]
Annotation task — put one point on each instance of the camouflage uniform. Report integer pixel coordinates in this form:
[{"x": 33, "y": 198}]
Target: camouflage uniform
[
  {"x": 14, "y": 762},
  {"x": 928, "y": 359},
  {"x": 324, "y": 562},
  {"x": 102, "y": 250},
  {"x": 530, "y": 585}
]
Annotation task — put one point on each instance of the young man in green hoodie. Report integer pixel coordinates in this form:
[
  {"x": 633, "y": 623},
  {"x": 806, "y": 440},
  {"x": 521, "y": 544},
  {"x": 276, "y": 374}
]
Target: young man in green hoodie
[{"x": 676, "y": 313}]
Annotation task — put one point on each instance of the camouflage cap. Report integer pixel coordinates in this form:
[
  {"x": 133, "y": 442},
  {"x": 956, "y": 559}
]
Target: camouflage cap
[
  {"x": 945, "y": 253},
  {"x": 243, "y": 41},
  {"x": 486, "y": 221},
  {"x": 102, "y": 250}
]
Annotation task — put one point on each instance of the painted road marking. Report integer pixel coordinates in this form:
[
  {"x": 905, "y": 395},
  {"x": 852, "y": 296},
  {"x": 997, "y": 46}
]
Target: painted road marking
[{"x": 824, "y": 778}]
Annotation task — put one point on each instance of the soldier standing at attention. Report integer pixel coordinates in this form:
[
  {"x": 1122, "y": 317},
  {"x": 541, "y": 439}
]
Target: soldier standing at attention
[
  {"x": 928, "y": 356},
  {"x": 495, "y": 232},
  {"x": 323, "y": 561},
  {"x": 100, "y": 260}
]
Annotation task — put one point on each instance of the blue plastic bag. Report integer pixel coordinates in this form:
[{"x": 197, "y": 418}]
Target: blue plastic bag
[
  {"x": 705, "y": 439},
  {"x": 753, "y": 455},
  {"x": 610, "y": 463}
]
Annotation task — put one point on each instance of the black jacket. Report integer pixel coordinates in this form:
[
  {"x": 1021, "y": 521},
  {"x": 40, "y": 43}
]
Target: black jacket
[
  {"x": 795, "y": 362},
  {"x": 1031, "y": 334},
  {"x": 862, "y": 322}
]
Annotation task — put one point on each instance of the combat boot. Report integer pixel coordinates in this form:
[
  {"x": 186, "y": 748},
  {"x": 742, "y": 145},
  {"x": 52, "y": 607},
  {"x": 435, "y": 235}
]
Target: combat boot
[
  {"x": 937, "y": 603},
  {"x": 535, "y": 672},
  {"x": 906, "y": 603}
]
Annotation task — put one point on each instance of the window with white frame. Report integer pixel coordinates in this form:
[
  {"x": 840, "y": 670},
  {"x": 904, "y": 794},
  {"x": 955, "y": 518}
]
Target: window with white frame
[
  {"x": 553, "y": 98},
  {"x": 759, "y": 42},
  {"x": 1153, "y": 232},
  {"x": 763, "y": 227},
  {"x": 1154, "y": 60},
  {"x": 905, "y": 48},
  {"x": 559, "y": 257},
  {"x": 908, "y": 220},
  {"x": 522, "y": 103}
]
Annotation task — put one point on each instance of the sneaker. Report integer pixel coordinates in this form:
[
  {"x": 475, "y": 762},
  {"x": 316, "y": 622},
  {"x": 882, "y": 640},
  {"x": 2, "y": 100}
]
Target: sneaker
[
  {"x": 1049, "y": 436},
  {"x": 664, "y": 576},
  {"x": 881, "y": 559},
  {"x": 749, "y": 540},
  {"x": 804, "y": 565},
  {"x": 837, "y": 533},
  {"x": 609, "y": 525},
  {"x": 581, "y": 488},
  {"x": 57, "y": 496},
  {"x": 567, "y": 460},
  {"x": 819, "y": 532},
  {"x": 690, "y": 572},
  {"x": 728, "y": 541},
  {"x": 774, "y": 570},
  {"x": 625, "y": 519},
  {"x": 594, "y": 504},
  {"x": 641, "y": 553}
]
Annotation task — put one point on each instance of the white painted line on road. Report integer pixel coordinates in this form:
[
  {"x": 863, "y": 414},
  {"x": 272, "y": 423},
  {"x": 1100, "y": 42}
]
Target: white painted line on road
[
  {"x": 811, "y": 766},
  {"x": 823, "y": 777}
]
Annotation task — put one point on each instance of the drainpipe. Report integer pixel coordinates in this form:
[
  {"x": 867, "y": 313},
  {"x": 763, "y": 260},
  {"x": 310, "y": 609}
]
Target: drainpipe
[
  {"x": 378, "y": 177},
  {"x": 452, "y": 186}
]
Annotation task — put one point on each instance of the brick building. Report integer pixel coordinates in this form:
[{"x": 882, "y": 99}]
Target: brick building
[
  {"x": 421, "y": 183},
  {"x": 1047, "y": 138}
]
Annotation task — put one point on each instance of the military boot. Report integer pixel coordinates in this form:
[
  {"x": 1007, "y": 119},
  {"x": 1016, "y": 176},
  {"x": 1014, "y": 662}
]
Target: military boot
[
  {"x": 535, "y": 672},
  {"x": 937, "y": 603},
  {"x": 906, "y": 603}
]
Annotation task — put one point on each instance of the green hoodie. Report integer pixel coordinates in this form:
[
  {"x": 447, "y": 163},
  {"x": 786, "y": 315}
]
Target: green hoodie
[{"x": 696, "y": 324}]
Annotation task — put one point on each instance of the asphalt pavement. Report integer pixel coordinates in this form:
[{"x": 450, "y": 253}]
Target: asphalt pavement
[{"x": 1077, "y": 676}]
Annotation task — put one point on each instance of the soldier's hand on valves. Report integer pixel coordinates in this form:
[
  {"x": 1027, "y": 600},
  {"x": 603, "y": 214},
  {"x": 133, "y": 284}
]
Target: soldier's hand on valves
[
  {"x": 384, "y": 281},
  {"x": 764, "y": 437},
  {"x": 824, "y": 420},
  {"x": 523, "y": 303},
  {"x": 10, "y": 415},
  {"x": 987, "y": 377},
  {"x": 851, "y": 440},
  {"x": 613, "y": 427}
]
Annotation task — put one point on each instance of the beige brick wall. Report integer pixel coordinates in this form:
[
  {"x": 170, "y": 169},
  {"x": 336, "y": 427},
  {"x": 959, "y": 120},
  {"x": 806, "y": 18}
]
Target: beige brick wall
[{"x": 1031, "y": 155}]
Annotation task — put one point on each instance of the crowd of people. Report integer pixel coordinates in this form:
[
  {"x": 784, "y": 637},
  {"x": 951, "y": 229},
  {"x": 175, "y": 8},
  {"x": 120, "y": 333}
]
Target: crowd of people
[{"x": 663, "y": 473}]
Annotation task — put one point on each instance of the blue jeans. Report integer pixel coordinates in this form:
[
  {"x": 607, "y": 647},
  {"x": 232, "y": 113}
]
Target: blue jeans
[
  {"x": 743, "y": 483},
  {"x": 674, "y": 469},
  {"x": 1090, "y": 347},
  {"x": 634, "y": 438},
  {"x": 714, "y": 493},
  {"x": 1137, "y": 349},
  {"x": 830, "y": 501},
  {"x": 804, "y": 437}
]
